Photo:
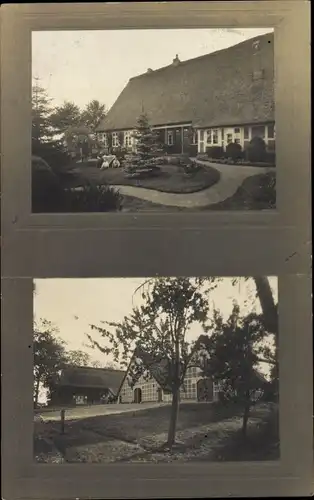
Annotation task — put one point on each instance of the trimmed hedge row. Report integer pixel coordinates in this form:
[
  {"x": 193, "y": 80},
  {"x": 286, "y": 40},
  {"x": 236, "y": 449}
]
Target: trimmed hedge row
[{"x": 255, "y": 153}]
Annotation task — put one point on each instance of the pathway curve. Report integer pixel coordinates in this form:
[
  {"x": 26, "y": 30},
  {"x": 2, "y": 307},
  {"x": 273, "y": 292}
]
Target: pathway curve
[{"x": 231, "y": 178}]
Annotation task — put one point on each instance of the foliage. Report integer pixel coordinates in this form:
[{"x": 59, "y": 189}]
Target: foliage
[
  {"x": 234, "y": 151},
  {"x": 53, "y": 153},
  {"x": 234, "y": 351},
  {"x": 77, "y": 358},
  {"x": 46, "y": 187},
  {"x": 214, "y": 152},
  {"x": 92, "y": 198},
  {"x": 49, "y": 355},
  {"x": 42, "y": 130},
  {"x": 93, "y": 113},
  {"x": 65, "y": 116},
  {"x": 156, "y": 332},
  {"x": 148, "y": 142},
  {"x": 256, "y": 151}
]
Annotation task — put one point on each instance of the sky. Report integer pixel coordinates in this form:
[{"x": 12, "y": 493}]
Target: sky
[
  {"x": 80, "y": 66},
  {"x": 73, "y": 304}
]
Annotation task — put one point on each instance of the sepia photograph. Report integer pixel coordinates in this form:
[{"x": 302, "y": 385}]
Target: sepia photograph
[
  {"x": 155, "y": 370},
  {"x": 153, "y": 120}
]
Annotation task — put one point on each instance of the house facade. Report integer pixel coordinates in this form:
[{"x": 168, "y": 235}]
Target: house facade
[
  {"x": 147, "y": 389},
  {"x": 212, "y": 100}
]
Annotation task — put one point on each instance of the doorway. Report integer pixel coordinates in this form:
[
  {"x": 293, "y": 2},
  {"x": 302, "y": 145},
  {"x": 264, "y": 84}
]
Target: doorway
[{"x": 137, "y": 395}]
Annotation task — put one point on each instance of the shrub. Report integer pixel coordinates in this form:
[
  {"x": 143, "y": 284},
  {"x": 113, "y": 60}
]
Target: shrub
[
  {"x": 234, "y": 151},
  {"x": 215, "y": 152},
  {"x": 93, "y": 199},
  {"x": 54, "y": 154},
  {"x": 271, "y": 157},
  {"x": 193, "y": 150},
  {"x": 256, "y": 151},
  {"x": 267, "y": 190}
]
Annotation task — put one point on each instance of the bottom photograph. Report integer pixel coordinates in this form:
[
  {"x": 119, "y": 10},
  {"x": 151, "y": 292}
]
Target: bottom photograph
[{"x": 156, "y": 370}]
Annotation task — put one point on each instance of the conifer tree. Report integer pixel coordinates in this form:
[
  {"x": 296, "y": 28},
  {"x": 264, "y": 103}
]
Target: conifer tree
[{"x": 148, "y": 144}]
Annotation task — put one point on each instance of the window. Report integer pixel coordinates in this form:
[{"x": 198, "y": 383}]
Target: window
[
  {"x": 215, "y": 136},
  {"x": 208, "y": 136},
  {"x": 201, "y": 135},
  {"x": 237, "y": 141},
  {"x": 170, "y": 138},
  {"x": 246, "y": 132},
  {"x": 229, "y": 138},
  {"x": 127, "y": 139},
  {"x": 115, "y": 139},
  {"x": 237, "y": 130},
  {"x": 271, "y": 131}
]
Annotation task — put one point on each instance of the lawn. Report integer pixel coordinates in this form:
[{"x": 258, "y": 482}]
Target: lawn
[
  {"x": 139, "y": 436},
  {"x": 170, "y": 180},
  {"x": 253, "y": 194}
]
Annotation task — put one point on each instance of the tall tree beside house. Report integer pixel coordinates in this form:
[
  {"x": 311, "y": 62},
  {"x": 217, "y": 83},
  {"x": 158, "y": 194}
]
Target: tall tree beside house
[
  {"x": 147, "y": 140},
  {"x": 158, "y": 328},
  {"x": 235, "y": 349},
  {"x": 65, "y": 116},
  {"x": 93, "y": 113},
  {"x": 49, "y": 355},
  {"x": 42, "y": 130}
]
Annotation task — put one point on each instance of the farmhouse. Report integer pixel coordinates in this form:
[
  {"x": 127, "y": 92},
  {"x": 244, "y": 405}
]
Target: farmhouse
[
  {"x": 85, "y": 385},
  {"x": 212, "y": 100},
  {"x": 146, "y": 379}
]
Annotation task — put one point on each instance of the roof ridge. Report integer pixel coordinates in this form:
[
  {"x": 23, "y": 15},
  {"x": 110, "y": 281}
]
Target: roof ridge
[{"x": 182, "y": 63}]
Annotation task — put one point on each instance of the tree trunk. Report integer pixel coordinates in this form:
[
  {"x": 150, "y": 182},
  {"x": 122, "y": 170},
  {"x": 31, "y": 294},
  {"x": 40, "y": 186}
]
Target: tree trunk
[
  {"x": 173, "y": 418},
  {"x": 245, "y": 419},
  {"x": 267, "y": 302},
  {"x": 36, "y": 395}
]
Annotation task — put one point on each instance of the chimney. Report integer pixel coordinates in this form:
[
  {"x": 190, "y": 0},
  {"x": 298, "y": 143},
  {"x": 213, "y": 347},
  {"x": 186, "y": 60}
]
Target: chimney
[
  {"x": 149, "y": 70},
  {"x": 176, "y": 61}
]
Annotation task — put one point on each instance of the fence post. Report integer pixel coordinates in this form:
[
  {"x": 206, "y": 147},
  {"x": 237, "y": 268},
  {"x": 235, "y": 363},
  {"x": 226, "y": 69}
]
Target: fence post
[{"x": 62, "y": 420}]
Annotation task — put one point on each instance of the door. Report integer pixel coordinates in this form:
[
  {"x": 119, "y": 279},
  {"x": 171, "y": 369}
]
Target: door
[
  {"x": 159, "y": 395},
  {"x": 205, "y": 390},
  {"x": 137, "y": 395}
]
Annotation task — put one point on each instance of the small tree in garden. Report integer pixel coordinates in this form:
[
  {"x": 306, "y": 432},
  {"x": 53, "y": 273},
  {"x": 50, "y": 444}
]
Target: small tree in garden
[
  {"x": 156, "y": 333},
  {"x": 235, "y": 349},
  {"x": 148, "y": 143},
  {"x": 234, "y": 151},
  {"x": 256, "y": 150}
]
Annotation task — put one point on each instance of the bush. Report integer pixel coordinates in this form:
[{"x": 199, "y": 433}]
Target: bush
[
  {"x": 267, "y": 190},
  {"x": 93, "y": 199},
  {"x": 215, "y": 152},
  {"x": 271, "y": 157},
  {"x": 54, "y": 154},
  {"x": 256, "y": 151},
  {"x": 234, "y": 151}
]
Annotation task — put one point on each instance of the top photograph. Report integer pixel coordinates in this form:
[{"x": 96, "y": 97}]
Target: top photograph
[{"x": 161, "y": 120}]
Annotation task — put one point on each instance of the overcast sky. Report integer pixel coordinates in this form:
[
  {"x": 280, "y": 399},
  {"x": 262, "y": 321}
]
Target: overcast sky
[
  {"x": 74, "y": 304},
  {"x": 80, "y": 66}
]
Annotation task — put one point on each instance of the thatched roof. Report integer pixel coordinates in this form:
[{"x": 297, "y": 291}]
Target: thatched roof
[
  {"x": 93, "y": 378},
  {"x": 212, "y": 90}
]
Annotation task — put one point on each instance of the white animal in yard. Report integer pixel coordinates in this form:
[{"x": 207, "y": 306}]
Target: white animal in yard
[{"x": 109, "y": 162}]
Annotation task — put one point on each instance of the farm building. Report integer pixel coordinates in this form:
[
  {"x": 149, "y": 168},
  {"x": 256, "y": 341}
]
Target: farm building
[
  {"x": 212, "y": 100},
  {"x": 85, "y": 385},
  {"x": 146, "y": 380}
]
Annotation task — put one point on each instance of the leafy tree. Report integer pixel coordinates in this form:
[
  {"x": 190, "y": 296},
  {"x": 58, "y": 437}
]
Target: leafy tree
[
  {"x": 65, "y": 116},
  {"x": 157, "y": 329},
  {"x": 41, "y": 114},
  {"x": 234, "y": 351},
  {"x": 49, "y": 355},
  {"x": 147, "y": 140},
  {"x": 77, "y": 358},
  {"x": 93, "y": 113}
]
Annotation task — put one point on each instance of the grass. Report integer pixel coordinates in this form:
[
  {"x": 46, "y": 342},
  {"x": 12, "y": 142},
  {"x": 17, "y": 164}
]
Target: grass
[
  {"x": 262, "y": 442},
  {"x": 139, "y": 435},
  {"x": 253, "y": 194},
  {"x": 171, "y": 179}
]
